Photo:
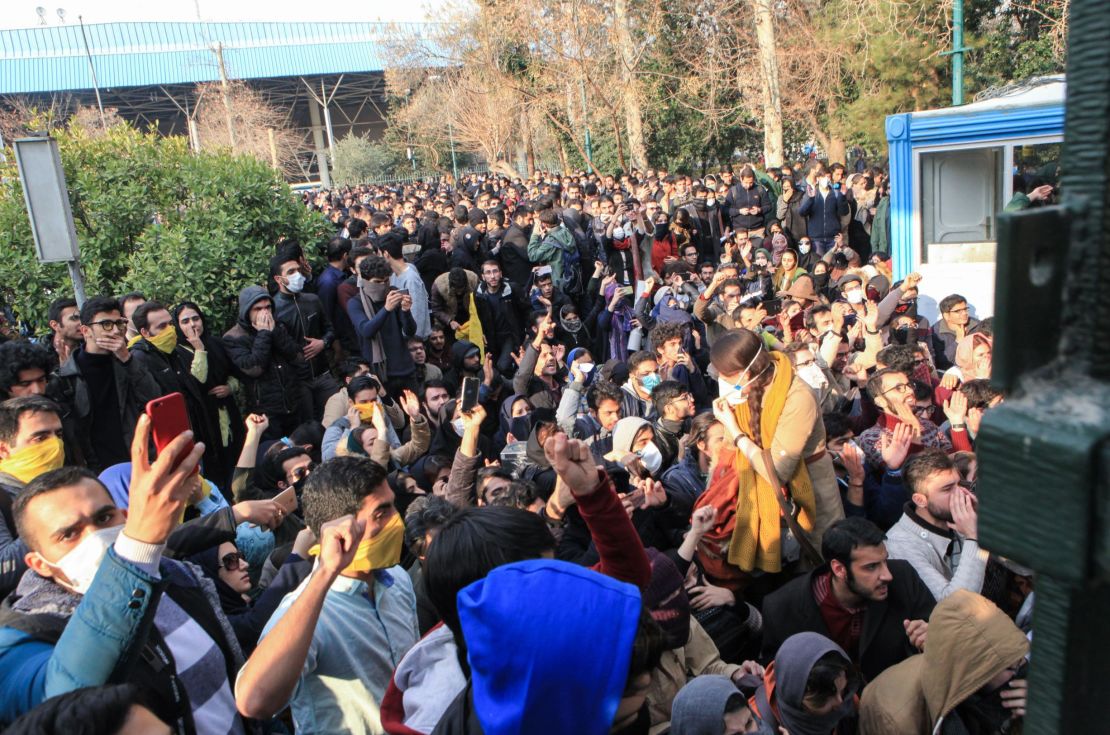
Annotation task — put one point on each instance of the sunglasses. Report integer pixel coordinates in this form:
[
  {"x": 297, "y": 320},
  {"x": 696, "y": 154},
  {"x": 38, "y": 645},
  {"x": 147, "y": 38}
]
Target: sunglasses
[{"x": 233, "y": 561}]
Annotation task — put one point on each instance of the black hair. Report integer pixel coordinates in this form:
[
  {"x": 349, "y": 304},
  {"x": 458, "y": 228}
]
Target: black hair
[
  {"x": 355, "y": 228},
  {"x": 979, "y": 393},
  {"x": 427, "y": 513},
  {"x": 374, "y": 266},
  {"x": 101, "y": 710},
  {"x": 98, "y": 305},
  {"x": 473, "y": 543},
  {"x": 662, "y": 332},
  {"x": 821, "y": 682},
  {"x": 278, "y": 261},
  {"x": 13, "y": 409},
  {"x": 309, "y": 433},
  {"x": 603, "y": 391},
  {"x": 638, "y": 358},
  {"x": 337, "y": 488},
  {"x": 351, "y": 367},
  {"x": 836, "y": 424},
  {"x": 15, "y": 357},
  {"x": 45, "y": 483},
  {"x": 486, "y": 474},
  {"x": 950, "y": 302},
  {"x": 338, "y": 247},
  {"x": 141, "y": 316},
  {"x": 922, "y": 465},
  {"x": 57, "y": 306},
  {"x": 359, "y": 251},
  {"x": 875, "y": 382},
  {"x": 699, "y": 430},
  {"x": 549, "y": 218},
  {"x": 433, "y": 383},
  {"x": 272, "y": 471},
  {"x": 898, "y": 357},
  {"x": 848, "y": 534},
  {"x": 361, "y": 383},
  {"x": 665, "y": 392}
]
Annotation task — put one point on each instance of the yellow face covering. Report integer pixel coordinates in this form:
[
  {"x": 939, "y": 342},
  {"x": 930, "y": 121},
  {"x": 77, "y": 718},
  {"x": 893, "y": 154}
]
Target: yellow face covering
[
  {"x": 33, "y": 460},
  {"x": 165, "y": 341},
  {"x": 366, "y": 411},
  {"x": 380, "y": 552}
]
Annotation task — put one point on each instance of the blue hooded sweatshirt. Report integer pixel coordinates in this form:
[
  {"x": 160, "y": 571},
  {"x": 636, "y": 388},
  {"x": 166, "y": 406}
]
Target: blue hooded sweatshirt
[{"x": 549, "y": 645}]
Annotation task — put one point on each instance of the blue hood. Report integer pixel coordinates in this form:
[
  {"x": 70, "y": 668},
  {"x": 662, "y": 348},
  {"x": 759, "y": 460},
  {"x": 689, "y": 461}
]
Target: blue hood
[{"x": 549, "y": 645}]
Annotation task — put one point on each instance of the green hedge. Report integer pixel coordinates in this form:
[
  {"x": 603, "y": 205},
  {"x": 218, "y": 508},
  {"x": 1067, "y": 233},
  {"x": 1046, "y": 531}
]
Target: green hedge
[{"x": 153, "y": 217}]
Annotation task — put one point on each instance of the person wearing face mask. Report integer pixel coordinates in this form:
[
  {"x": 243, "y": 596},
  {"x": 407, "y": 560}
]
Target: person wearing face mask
[
  {"x": 774, "y": 422},
  {"x": 307, "y": 322},
  {"x": 807, "y": 255},
  {"x": 317, "y": 654},
  {"x": 786, "y": 209},
  {"x": 969, "y": 680},
  {"x": 664, "y": 244},
  {"x": 100, "y": 593},
  {"x": 748, "y": 205},
  {"x": 30, "y": 445},
  {"x": 382, "y": 318},
  {"x": 643, "y": 376},
  {"x": 706, "y": 218},
  {"x": 157, "y": 350},
  {"x": 822, "y": 207}
]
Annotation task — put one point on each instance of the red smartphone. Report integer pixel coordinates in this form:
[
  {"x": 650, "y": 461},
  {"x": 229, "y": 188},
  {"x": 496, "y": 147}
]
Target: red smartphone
[{"x": 168, "y": 420}]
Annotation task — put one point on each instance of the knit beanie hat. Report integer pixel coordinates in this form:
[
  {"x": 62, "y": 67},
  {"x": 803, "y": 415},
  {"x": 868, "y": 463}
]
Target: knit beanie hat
[{"x": 666, "y": 599}]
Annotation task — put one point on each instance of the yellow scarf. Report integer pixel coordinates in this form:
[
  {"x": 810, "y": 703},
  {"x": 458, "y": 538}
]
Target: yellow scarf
[
  {"x": 472, "y": 330},
  {"x": 34, "y": 459},
  {"x": 165, "y": 341},
  {"x": 757, "y": 539},
  {"x": 380, "y": 552}
]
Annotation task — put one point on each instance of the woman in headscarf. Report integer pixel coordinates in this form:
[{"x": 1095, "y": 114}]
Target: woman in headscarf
[
  {"x": 973, "y": 357},
  {"x": 690, "y": 651},
  {"x": 711, "y": 705},
  {"x": 809, "y": 689},
  {"x": 615, "y": 322},
  {"x": 212, "y": 368},
  {"x": 571, "y": 330},
  {"x": 772, "y": 418},
  {"x": 787, "y": 272},
  {"x": 230, "y": 572}
]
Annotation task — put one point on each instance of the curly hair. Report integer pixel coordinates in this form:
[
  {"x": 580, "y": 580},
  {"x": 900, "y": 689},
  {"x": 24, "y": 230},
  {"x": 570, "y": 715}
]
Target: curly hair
[{"x": 15, "y": 357}]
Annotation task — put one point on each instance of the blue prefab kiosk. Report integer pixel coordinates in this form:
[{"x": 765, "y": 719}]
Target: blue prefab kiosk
[{"x": 953, "y": 170}]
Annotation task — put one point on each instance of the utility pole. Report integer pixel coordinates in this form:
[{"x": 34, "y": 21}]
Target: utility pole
[
  {"x": 586, "y": 122},
  {"x": 92, "y": 71},
  {"x": 454, "y": 160},
  {"x": 226, "y": 87},
  {"x": 957, "y": 52}
]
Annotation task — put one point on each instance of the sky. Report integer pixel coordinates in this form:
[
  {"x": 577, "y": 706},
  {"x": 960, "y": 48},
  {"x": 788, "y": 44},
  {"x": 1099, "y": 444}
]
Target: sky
[{"x": 21, "y": 13}]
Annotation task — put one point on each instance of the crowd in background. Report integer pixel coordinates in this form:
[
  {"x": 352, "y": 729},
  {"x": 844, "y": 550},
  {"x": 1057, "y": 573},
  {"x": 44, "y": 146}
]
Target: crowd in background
[{"x": 577, "y": 453}]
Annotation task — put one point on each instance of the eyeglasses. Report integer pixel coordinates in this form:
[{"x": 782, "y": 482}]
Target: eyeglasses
[
  {"x": 900, "y": 388},
  {"x": 300, "y": 473},
  {"x": 960, "y": 310},
  {"x": 232, "y": 561},
  {"x": 110, "y": 325}
]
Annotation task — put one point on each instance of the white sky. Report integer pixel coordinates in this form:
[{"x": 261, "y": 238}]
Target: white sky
[{"x": 21, "y": 13}]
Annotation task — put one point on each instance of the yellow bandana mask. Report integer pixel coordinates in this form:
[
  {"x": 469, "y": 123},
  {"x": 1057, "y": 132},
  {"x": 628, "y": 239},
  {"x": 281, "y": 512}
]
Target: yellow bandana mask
[
  {"x": 366, "y": 411},
  {"x": 165, "y": 341},
  {"x": 380, "y": 552},
  {"x": 35, "y": 459}
]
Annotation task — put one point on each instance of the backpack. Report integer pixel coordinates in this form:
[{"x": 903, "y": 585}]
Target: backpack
[{"x": 571, "y": 280}]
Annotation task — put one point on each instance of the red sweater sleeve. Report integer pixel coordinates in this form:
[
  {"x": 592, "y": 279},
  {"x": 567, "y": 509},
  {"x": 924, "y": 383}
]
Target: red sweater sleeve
[
  {"x": 961, "y": 441},
  {"x": 619, "y": 546}
]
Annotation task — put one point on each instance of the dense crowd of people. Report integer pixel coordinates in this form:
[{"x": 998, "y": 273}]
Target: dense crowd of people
[{"x": 580, "y": 454}]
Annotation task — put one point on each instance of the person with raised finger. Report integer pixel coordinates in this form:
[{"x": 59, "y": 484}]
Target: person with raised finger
[
  {"x": 331, "y": 646},
  {"x": 100, "y": 593}
]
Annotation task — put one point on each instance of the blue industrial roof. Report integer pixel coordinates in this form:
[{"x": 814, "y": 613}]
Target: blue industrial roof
[{"x": 52, "y": 58}]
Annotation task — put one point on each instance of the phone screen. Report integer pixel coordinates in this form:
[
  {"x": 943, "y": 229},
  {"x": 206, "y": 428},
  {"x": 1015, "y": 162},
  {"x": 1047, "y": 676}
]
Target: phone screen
[{"x": 469, "y": 394}]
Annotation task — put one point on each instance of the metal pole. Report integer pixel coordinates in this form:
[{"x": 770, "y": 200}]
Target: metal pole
[
  {"x": 957, "y": 52},
  {"x": 327, "y": 123},
  {"x": 586, "y": 121},
  {"x": 454, "y": 161},
  {"x": 92, "y": 71},
  {"x": 78, "y": 282}
]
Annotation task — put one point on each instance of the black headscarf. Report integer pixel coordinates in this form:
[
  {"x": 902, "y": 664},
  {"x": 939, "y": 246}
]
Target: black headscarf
[
  {"x": 209, "y": 561},
  {"x": 219, "y": 365}
]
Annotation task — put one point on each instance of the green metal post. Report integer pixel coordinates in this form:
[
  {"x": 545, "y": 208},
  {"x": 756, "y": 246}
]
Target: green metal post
[
  {"x": 586, "y": 120},
  {"x": 454, "y": 160},
  {"x": 1044, "y": 455},
  {"x": 957, "y": 52}
]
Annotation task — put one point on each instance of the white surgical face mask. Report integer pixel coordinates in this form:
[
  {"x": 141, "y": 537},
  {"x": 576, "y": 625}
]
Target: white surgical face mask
[
  {"x": 459, "y": 426},
  {"x": 803, "y": 248},
  {"x": 618, "y": 233},
  {"x": 651, "y": 458},
  {"x": 734, "y": 394},
  {"x": 710, "y": 201},
  {"x": 295, "y": 282},
  {"x": 585, "y": 367},
  {"x": 81, "y": 562},
  {"x": 814, "y": 377},
  {"x": 855, "y": 296}
]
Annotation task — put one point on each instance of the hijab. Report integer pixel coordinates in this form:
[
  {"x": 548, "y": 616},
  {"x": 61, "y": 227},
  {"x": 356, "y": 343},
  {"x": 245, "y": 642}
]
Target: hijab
[
  {"x": 666, "y": 600},
  {"x": 699, "y": 708},
  {"x": 965, "y": 354},
  {"x": 784, "y": 686}
]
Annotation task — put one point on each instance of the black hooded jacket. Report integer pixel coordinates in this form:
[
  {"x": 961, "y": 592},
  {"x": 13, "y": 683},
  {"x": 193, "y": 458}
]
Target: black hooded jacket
[{"x": 269, "y": 362}]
